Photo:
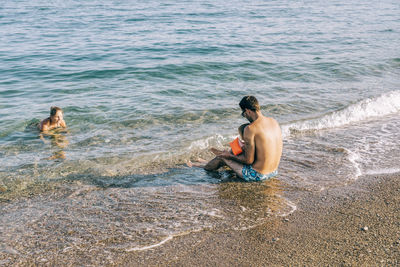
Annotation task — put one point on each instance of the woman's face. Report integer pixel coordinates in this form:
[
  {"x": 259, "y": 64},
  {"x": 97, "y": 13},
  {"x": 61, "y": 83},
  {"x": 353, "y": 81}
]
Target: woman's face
[{"x": 58, "y": 116}]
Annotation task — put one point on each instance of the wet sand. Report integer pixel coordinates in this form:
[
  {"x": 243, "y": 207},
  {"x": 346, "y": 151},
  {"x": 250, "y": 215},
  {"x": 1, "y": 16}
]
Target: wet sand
[{"x": 353, "y": 225}]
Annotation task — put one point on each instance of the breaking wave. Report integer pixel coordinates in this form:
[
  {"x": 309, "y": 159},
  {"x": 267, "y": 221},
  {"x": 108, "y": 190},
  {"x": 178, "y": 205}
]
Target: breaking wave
[{"x": 383, "y": 105}]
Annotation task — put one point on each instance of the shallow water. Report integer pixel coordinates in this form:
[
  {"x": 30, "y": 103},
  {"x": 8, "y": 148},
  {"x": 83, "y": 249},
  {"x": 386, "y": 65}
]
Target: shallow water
[{"x": 147, "y": 86}]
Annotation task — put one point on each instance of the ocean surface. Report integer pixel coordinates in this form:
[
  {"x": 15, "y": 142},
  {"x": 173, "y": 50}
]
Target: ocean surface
[{"x": 148, "y": 85}]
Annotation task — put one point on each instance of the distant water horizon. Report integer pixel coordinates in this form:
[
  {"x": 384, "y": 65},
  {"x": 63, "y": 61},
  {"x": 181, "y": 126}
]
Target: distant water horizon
[{"x": 145, "y": 87}]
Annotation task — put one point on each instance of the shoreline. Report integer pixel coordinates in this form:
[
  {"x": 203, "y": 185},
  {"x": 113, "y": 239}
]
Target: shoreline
[{"x": 353, "y": 225}]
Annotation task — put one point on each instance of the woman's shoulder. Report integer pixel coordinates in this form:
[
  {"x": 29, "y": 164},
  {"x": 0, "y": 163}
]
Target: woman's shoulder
[{"x": 43, "y": 123}]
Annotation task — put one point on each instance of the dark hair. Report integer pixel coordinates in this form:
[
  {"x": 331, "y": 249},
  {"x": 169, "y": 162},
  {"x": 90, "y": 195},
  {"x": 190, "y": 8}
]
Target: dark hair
[
  {"x": 241, "y": 128},
  {"x": 249, "y": 102},
  {"x": 53, "y": 110}
]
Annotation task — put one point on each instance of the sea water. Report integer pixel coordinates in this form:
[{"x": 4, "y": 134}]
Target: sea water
[{"x": 148, "y": 85}]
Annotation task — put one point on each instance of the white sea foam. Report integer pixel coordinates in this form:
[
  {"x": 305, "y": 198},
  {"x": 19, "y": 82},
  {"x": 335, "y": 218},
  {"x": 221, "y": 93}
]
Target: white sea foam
[
  {"x": 151, "y": 246},
  {"x": 383, "y": 171},
  {"x": 354, "y": 158},
  {"x": 168, "y": 238},
  {"x": 244, "y": 228},
  {"x": 292, "y": 208},
  {"x": 201, "y": 144},
  {"x": 369, "y": 108},
  {"x": 283, "y": 213},
  {"x": 215, "y": 213}
]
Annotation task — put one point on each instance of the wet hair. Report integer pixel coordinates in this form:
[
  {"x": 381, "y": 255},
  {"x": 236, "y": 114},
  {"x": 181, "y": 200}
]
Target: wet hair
[
  {"x": 53, "y": 110},
  {"x": 241, "y": 128},
  {"x": 249, "y": 102}
]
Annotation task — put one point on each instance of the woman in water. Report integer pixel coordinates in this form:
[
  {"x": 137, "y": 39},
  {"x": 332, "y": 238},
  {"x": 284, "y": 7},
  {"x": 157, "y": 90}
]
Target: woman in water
[
  {"x": 58, "y": 141},
  {"x": 56, "y": 120}
]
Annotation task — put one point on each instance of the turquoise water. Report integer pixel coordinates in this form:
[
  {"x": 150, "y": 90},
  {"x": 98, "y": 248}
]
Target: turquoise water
[{"x": 147, "y": 86}]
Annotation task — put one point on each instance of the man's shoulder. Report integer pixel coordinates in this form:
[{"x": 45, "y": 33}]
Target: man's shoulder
[
  {"x": 267, "y": 124},
  {"x": 262, "y": 122},
  {"x": 271, "y": 121}
]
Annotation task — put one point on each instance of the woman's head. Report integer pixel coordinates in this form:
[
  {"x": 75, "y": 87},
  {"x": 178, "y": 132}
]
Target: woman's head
[{"x": 56, "y": 114}]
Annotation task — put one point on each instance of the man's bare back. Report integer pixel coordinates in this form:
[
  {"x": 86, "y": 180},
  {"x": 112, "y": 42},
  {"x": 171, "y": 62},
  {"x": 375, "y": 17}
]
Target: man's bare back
[
  {"x": 262, "y": 150},
  {"x": 268, "y": 144}
]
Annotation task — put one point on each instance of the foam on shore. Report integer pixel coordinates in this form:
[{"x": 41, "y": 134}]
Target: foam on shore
[{"x": 383, "y": 105}]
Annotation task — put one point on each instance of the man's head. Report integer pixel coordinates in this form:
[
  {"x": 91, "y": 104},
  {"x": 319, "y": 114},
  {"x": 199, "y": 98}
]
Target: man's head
[
  {"x": 249, "y": 103},
  {"x": 56, "y": 114}
]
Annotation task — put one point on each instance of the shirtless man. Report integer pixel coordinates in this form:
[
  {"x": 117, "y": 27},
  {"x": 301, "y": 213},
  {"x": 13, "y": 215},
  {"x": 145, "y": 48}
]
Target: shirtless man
[
  {"x": 262, "y": 149},
  {"x": 55, "y": 120}
]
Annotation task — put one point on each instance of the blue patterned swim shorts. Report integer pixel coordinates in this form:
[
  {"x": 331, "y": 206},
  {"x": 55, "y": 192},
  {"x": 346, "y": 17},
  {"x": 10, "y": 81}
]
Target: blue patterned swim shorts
[{"x": 251, "y": 175}]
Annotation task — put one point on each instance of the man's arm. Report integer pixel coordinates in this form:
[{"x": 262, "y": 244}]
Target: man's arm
[{"x": 247, "y": 157}]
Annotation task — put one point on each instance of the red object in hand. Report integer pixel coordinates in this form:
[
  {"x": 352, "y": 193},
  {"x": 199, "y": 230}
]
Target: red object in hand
[{"x": 235, "y": 146}]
